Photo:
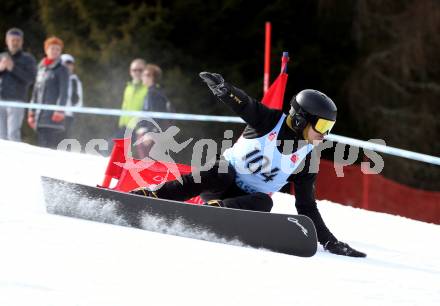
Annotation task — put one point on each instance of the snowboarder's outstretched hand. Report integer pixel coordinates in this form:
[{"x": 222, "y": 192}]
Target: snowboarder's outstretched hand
[
  {"x": 341, "y": 248},
  {"x": 215, "y": 82}
]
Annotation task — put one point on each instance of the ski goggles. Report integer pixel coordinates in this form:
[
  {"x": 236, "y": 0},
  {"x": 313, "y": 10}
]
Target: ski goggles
[{"x": 323, "y": 126}]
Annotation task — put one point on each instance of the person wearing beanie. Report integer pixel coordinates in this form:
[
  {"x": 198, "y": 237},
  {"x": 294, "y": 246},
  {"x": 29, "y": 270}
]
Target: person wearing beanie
[
  {"x": 17, "y": 73},
  {"x": 51, "y": 87},
  {"x": 74, "y": 93}
]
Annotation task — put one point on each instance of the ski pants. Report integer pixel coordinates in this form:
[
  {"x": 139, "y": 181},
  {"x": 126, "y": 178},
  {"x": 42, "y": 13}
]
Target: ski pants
[{"x": 216, "y": 185}]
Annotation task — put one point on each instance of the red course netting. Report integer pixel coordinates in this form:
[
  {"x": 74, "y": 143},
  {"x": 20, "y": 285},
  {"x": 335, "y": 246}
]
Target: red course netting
[{"x": 377, "y": 193}]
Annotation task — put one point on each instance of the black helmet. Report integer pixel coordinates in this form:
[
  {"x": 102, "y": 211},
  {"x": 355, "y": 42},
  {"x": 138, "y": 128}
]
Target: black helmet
[
  {"x": 313, "y": 103},
  {"x": 309, "y": 106}
]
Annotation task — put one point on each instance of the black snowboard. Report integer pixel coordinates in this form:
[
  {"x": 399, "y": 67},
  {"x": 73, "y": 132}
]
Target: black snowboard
[{"x": 290, "y": 234}]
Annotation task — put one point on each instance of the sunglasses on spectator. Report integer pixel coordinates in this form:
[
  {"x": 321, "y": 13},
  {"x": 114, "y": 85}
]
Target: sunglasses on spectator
[{"x": 137, "y": 70}]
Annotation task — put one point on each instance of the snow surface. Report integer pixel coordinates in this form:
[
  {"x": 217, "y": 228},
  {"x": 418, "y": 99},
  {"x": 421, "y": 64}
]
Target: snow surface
[{"x": 53, "y": 260}]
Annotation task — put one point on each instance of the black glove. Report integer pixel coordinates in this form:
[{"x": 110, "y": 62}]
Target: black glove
[
  {"x": 341, "y": 248},
  {"x": 215, "y": 82}
]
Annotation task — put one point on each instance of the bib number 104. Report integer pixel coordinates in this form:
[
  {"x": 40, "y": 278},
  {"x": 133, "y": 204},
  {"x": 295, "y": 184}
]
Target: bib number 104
[{"x": 259, "y": 164}]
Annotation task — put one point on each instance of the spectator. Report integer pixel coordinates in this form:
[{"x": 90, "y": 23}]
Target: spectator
[
  {"x": 17, "y": 72},
  {"x": 155, "y": 101},
  {"x": 50, "y": 88},
  {"x": 134, "y": 95},
  {"x": 74, "y": 92}
]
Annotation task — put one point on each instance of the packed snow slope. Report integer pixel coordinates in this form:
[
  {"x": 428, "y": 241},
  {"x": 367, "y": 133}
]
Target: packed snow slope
[{"x": 52, "y": 260}]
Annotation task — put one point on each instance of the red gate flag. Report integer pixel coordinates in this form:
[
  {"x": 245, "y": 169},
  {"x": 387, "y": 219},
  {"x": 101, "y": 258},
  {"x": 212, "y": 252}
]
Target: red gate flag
[{"x": 274, "y": 97}]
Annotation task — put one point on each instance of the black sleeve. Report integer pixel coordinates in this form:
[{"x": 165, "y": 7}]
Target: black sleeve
[
  {"x": 255, "y": 114},
  {"x": 304, "y": 183},
  {"x": 63, "y": 84},
  {"x": 161, "y": 102},
  {"x": 25, "y": 70},
  {"x": 34, "y": 93},
  {"x": 157, "y": 102},
  {"x": 75, "y": 96}
]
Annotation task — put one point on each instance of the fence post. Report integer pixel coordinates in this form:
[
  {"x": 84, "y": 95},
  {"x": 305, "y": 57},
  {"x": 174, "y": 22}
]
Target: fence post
[{"x": 365, "y": 187}]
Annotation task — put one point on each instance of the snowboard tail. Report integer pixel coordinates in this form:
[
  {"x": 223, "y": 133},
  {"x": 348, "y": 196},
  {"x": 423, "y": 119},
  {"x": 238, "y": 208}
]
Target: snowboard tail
[{"x": 289, "y": 234}]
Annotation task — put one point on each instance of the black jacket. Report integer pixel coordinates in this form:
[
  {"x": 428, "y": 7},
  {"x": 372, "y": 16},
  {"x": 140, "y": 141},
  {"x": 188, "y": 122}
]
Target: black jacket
[
  {"x": 50, "y": 87},
  {"x": 156, "y": 101},
  {"x": 260, "y": 120},
  {"x": 14, "y": 84}
]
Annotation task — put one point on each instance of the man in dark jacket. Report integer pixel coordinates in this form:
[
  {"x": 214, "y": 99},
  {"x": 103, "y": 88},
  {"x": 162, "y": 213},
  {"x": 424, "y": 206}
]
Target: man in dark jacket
[
  {"x": 274, "y": 149},
  {"x": 17, "y": 73}
]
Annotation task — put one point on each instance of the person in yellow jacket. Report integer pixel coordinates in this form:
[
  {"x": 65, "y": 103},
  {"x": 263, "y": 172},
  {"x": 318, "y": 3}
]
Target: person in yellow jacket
[{"x": 134, "y": 95}]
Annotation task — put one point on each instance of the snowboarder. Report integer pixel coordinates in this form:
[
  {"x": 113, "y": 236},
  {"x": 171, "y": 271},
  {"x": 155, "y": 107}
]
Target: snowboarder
[{"x": 274, "y": 149}]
